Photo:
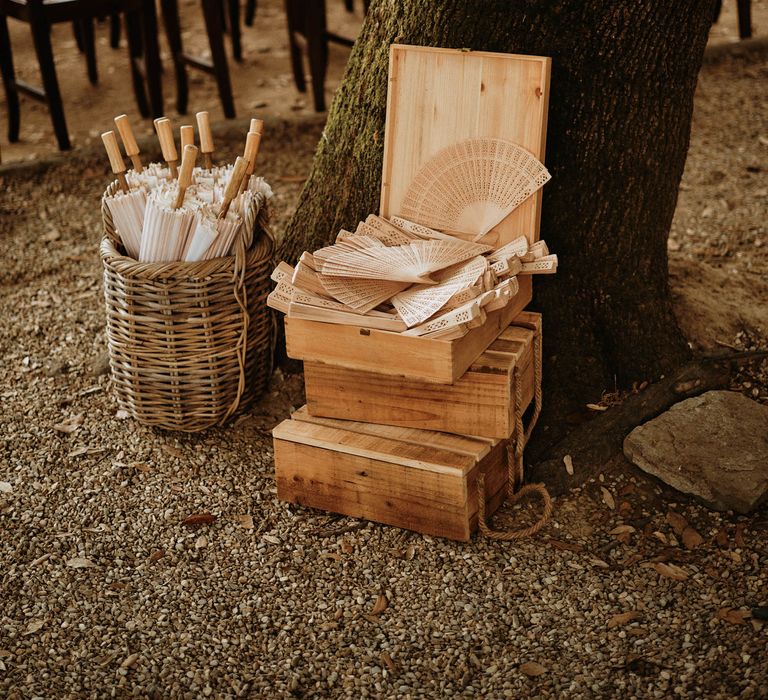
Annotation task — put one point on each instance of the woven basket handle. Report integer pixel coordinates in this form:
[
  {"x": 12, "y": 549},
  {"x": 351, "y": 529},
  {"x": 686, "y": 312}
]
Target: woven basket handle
[{"x": 240, "y": 292}]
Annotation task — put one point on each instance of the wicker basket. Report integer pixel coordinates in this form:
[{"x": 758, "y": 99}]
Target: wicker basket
[{"x": 190, "y": 344}]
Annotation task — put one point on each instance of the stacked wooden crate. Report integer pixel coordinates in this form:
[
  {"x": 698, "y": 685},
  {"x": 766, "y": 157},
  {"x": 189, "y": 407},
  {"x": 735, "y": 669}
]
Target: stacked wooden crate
[{"x": 399, "y": 429}]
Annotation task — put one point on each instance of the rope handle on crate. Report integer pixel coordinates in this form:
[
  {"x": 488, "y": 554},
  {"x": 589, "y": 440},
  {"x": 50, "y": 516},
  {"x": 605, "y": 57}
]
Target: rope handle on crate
[{"x": 515, "y": 469}]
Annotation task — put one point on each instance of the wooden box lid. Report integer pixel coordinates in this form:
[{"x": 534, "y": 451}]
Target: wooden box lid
[
  {"x": 437, "y": 97},
  {"x": 422, "y": 449}
]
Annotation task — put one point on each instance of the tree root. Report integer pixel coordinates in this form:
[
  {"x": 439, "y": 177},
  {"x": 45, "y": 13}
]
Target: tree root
[{"x": 592, "y": 444}]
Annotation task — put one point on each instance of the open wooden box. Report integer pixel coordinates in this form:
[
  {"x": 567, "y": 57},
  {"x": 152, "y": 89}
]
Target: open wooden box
[
  {"x": 437, "y": 97},
  {"x": 481, "y": 402}
]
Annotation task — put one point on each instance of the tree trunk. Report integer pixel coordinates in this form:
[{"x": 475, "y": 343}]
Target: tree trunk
[{"x": 623, "y": 79}]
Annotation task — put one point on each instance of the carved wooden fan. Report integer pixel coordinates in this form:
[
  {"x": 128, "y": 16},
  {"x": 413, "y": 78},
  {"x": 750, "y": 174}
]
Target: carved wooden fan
[
  {"x": 360, "y": 294},
  {"x": 472, "y": 185},
  {"x": 406, "y": 263},
  {"x": 420, "y": 302}
]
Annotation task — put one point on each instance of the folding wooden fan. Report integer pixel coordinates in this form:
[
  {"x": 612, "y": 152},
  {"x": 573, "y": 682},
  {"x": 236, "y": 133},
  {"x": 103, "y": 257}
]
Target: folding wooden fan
[
  {"x": 536, "y": 251},
  {"x": 541, "y": 266},
  {"x": 283, "y": 273},
  {"x": 361, "y": 294},
  {"x": 414, "y": 262},
  {"x": 384, "y": 236},
  {"x": 387, "y": 232},
  {"x": 507, "y": 267},
  {"x": 388, "y": 236},
  {"x": 471, "y": 314},
  {"x": 422, "y": 301},
  {"x": 472, "y": 185},
  {"x": 419, "y": 231},
  {"x": 517, "y": 247},
  {"x": 348, "y": 243},
  {"x": 383, "y": 322},
  {"x": 462, "y": 297},
  {"x": 500, "y": 295},
  {"x": 306, "y": 278}
]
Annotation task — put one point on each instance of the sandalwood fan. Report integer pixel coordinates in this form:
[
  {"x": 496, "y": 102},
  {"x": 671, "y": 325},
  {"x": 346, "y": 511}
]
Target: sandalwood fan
[
  {"x": 422, "y": 301},
  {"x": 402, "y": 277},
  {"x": 413, "y": 262},
  {"x": 472, "y": 185}
]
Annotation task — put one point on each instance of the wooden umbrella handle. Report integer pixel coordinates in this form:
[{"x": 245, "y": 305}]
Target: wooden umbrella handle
[
  {"x": 252, "y": 143},
  {"x": 206, "y": 138},
  {"x": 188, "y": 158},
  {"x": 233, "y": 186},
  {"x": 116, "y": 161},
  {"x": 257, "y": 125},
  {"x": 129, "y": 141},
  {"x": 187, "y": 137},
  {"x": 164, "y": 130}
]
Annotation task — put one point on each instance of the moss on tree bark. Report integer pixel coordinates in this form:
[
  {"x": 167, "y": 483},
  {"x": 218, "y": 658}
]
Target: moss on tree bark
[{"x": 623, "y": 79}]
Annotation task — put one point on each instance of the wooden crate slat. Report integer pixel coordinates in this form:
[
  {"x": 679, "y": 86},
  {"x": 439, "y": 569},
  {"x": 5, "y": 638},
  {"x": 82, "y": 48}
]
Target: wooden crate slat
[
  {"x": 475, "y": 446},
  {"x": 481, "y": 402},
  {"x": 374, "y": 447}
]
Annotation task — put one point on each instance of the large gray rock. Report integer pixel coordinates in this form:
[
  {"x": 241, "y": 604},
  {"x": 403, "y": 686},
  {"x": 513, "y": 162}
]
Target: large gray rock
[{"x": 713, "y": 446}]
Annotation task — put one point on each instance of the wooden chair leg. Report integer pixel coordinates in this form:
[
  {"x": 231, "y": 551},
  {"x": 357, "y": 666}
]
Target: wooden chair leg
[
  {"x": 250, "y": 12},
  {"x": 212, "y": 14},
  {"x": 89, "y": 48},
  {"x": 744, "y": 8},
  {"x": 170, "y": 10},
  {"x": 716, "y": 10},
  {"x": 9, "y": 82},
  {"x": 135, "y": 51},
  {"x": 41, "y": 38},
  {"x": 78, "y": 34},
  {"x": 114, "y": 30},
  {"x": 234, "y": 29},
  {"x": 317, "y": 48},
  {"x": 293, "y": 12},
  {"x": 223, "y": 16},
  {"x": 152, "y": 67}
]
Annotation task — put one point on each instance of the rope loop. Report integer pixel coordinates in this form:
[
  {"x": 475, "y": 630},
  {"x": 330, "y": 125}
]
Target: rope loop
[
  {"x": 516, "y": 491},
  {"x": 508, "y": 535}
]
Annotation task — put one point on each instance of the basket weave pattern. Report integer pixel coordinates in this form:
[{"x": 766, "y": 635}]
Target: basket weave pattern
[{"x": 190, "y": 344}]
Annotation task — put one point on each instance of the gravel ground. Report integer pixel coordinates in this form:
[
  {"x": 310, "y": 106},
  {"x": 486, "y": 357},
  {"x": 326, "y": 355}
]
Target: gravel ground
[{"x": 108, "y": 588}]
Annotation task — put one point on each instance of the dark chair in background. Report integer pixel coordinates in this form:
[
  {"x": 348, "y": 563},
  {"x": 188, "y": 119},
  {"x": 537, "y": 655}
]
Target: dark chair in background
[
  {"x": 217, "y": 66},
  {"x": 744, "y": 12},
  {"x": 86, "y": 44},
  {"x": 232, "y": 25},
  {"x": 250, "y": 12},
  {"x": 307, "y": 28},
  {"x": 141, "y": 26}
]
